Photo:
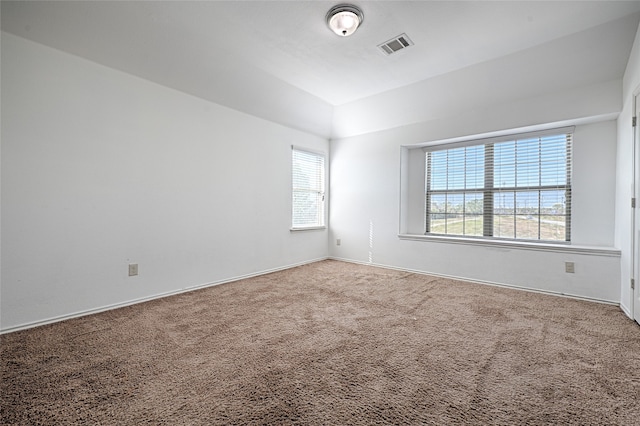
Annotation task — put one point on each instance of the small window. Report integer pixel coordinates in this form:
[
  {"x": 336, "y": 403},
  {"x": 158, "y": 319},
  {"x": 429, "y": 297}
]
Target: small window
[
  {"x": 513, "y": 188},
  {"x": 308, "y": 183}
]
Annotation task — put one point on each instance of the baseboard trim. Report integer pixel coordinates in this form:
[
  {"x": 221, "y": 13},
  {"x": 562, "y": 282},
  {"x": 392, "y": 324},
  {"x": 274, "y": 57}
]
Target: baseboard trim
[
  {"x": 83, "y": 313},
  {"x": 475, "y": 281},
  {"x": 626, "y": 310}
]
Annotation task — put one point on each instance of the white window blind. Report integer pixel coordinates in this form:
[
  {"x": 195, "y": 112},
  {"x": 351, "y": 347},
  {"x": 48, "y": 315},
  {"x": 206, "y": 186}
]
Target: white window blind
[
  {"x": 308, "y": 179},
  {"x": 516, "y": 187}
]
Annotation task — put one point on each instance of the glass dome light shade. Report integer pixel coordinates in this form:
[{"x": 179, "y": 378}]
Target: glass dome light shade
[{"x": 344, "y": 20}]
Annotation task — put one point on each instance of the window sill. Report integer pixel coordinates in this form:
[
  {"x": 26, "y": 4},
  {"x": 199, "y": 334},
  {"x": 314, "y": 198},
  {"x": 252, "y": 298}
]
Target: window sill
[
  {"x": 308, "y": 228},
  {"x": 519, "y": 245}
]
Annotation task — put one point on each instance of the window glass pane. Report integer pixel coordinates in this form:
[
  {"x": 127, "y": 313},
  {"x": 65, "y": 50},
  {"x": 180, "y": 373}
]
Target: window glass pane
[
  {"x": 456, "y": 214},
  {"x": 459, "y": 168},
  {"x": 454, "y": 224},
  {"x": 473, "y": 203},
  {"x": 553, "y": 154},
  {"x": 307, "y": 178},
  {"x": 308, "y": 170},
  {"x": 552, "y": 230},
  {"x": 306, "y": 208},
  {"x": 474, "y": 171},
  {"x": 455, "y": 169},
  {"x": 553, "y": 219},
  {"x": 473, "y": 225},
  {"x": 503, "y": 214},
  {"x": 473, "y": 220},
  {"x": 438, "y": 204},
  {"x": 527, "y": 215},
  {"x": 504, "y": 157},
  {"x": 438, "y": 224},
  {"x": 455, "y": 203},
  {"x": 552, "y": 202},
  {"x": 527, "y": 163},
  {"x": 438, "y": 170},
  {"x": 503, "y": 226},
  {"x": 527, "y": 227},
  {"x": 504, "y": 202},
  {"x": 527, "y": 203}
]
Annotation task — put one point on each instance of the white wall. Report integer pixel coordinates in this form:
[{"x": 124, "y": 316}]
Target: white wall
[
  {"x": 513, "y": 80},
  {"x": 101, "y": 169},
  {"x": 365, "y": 196},
  {"x": 631, "y": 83}
]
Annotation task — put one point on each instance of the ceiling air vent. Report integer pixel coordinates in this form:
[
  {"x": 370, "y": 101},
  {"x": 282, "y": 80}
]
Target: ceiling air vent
[{"x": 395, "y": 44}]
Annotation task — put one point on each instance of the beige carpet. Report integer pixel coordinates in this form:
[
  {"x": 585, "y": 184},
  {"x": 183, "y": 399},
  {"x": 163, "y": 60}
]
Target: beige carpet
[{"x": 330, "y": 343}]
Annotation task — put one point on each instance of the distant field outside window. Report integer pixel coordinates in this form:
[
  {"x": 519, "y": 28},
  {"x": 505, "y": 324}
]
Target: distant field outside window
[{"x": 514, "y": 189}]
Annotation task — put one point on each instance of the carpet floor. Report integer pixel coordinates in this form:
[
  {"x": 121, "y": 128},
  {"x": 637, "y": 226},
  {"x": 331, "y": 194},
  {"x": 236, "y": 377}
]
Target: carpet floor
[{"x": 330, "y": 343}]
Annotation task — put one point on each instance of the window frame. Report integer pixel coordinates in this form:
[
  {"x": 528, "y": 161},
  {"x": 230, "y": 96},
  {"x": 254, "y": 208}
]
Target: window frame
[
  {"x": 489, "y": 190},
  {"x": 321, "y": 192}
]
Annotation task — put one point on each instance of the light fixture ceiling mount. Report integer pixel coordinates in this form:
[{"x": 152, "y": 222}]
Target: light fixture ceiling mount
[{"x": 344, "y": 19}]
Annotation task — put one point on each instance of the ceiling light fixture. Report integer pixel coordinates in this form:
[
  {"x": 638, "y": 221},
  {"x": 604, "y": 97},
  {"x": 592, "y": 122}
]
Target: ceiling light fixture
[{"x": 344, "y": 19}]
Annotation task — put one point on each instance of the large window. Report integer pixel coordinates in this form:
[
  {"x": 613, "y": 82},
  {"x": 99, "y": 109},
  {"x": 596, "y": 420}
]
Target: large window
[
  {"x": 515, "y": 188},
  {"x": 308, "y": 180}
]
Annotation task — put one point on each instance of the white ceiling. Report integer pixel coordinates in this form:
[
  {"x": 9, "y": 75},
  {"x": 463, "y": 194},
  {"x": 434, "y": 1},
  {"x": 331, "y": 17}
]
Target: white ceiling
[{"x": 259, "y": 55}]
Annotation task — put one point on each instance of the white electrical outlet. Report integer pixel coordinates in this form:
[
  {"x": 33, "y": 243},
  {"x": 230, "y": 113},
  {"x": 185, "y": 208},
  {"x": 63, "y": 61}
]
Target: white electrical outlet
[
  {"x": 338, "y": 241},
  {"x": 133, "y": 269},
  {"x": 569, "y": 267}
]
